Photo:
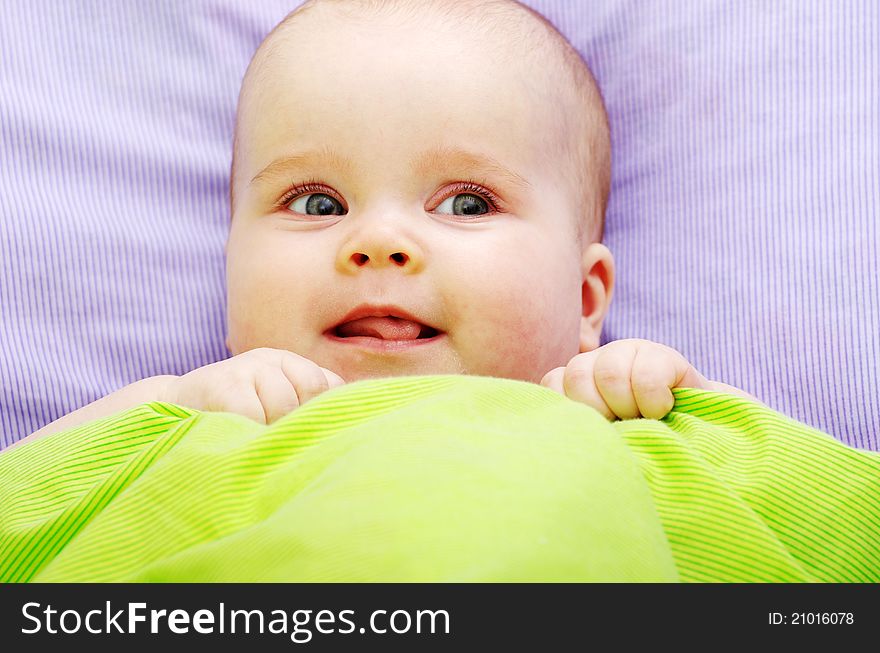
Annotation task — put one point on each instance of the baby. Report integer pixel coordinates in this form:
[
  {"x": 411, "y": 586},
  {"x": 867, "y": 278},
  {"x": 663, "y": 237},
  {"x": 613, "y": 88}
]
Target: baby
[{"x": 418, "y": 187}]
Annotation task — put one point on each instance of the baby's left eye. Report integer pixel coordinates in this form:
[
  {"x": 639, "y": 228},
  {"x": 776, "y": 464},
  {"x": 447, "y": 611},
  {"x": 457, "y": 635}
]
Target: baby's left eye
[
  {"x": 316, "y": 204},
  {"x": 463, "y": 204}
]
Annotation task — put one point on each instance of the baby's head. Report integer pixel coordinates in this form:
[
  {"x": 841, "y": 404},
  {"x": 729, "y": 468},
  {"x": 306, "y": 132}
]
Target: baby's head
[{"x": 442, "y": 161}]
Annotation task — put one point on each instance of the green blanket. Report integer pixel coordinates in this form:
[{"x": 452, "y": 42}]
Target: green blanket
[{"x": 442, "y": 478}]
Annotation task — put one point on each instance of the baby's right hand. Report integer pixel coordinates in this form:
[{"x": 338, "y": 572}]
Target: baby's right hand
[{"x": 262, "y": 384}]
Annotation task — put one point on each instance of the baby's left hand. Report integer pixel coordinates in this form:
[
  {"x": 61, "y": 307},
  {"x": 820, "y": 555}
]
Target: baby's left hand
[{"x": 628, "y": 378}]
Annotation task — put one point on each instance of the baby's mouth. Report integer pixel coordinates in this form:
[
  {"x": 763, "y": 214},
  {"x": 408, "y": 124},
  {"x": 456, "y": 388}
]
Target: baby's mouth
[{"x": 385, "y": 327}]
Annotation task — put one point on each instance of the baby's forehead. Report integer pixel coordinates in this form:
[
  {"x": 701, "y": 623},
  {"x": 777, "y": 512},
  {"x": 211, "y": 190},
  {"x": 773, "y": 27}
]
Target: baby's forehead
[
  {"x": 331, "y": 59},
  {"x": 501, "y": 27},
  {"x": 348, "y": 42}
]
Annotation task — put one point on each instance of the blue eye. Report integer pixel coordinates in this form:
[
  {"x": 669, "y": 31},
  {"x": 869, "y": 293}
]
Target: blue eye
[
  {"x": 316, "y": 204},
  {"x": 463, "y": 204}
]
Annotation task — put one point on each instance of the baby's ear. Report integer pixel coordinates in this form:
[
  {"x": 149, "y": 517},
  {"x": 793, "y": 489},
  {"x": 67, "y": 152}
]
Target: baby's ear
[{"x": 598, "y": 270}]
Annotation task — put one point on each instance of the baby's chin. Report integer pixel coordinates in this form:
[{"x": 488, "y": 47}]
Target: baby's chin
[{"x": 387, "y": 369}]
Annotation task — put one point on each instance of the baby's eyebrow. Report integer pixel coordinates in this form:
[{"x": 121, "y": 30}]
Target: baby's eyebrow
[
  {"x": 443, "y": 159},
  {"x": 305, "y": 161},
  {"x": 461, "y": 161}
]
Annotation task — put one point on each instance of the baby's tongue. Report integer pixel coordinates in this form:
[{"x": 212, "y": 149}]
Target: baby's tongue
[{"x": 386, "y": 328}]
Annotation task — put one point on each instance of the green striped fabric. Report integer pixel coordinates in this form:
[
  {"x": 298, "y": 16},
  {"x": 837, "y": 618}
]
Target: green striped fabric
[
  {"x": 746, "y": 494},
  {"x": 442, "y": 478}
]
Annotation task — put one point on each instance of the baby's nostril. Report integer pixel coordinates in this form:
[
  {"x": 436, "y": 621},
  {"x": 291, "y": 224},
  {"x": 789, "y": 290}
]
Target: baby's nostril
[
  {"x": 400, "y": 258},
  {"x": 359, "y": 258}
]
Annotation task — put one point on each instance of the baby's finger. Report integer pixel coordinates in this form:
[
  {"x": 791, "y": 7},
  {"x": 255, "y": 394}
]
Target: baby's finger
[
  {"x": 653, "y": 374},
  {"x": 612, "y": 371},
  {"x": 553, "y": 380},
  {"x": 333, "y": 379},
  {"x": 579, "y": 384},
  {"x": 276, "y": 393},
  {"x": 306, "y": 377},
  {"x": 245, "y": 403}
]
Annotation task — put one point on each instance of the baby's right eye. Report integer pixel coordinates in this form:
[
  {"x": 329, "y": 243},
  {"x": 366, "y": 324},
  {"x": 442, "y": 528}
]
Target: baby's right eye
[{"x": 316, "y": 204}]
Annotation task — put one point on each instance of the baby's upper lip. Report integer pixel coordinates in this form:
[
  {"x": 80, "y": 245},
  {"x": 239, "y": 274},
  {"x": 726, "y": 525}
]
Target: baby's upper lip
[{"x": 383, "y": 310}]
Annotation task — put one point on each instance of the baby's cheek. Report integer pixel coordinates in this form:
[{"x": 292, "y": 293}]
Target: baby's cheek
[
  {"x": 263, "y": 308},
  {"x": 522, "y": 335},
  {"x": 539, "y": 344}
]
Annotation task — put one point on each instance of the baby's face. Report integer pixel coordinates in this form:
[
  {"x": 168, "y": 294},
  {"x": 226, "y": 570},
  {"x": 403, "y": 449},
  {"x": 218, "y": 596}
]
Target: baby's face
[{"x": 398, "y": 210}]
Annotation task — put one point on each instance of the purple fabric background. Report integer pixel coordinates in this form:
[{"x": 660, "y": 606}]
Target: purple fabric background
[{"x": 743, "y": 215}]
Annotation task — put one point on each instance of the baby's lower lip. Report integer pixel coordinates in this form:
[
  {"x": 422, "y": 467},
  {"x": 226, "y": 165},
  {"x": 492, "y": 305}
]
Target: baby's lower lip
[{"x": 378, "y": 344}]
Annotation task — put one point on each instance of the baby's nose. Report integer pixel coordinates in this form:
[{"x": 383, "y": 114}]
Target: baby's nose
[
  {"x": 374, "y": 246},
  {"x": 397, "y": 258}
]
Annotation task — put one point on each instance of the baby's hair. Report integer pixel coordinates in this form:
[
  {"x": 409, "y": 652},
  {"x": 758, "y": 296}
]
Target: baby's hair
[{"x": 582, "y": 137}]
